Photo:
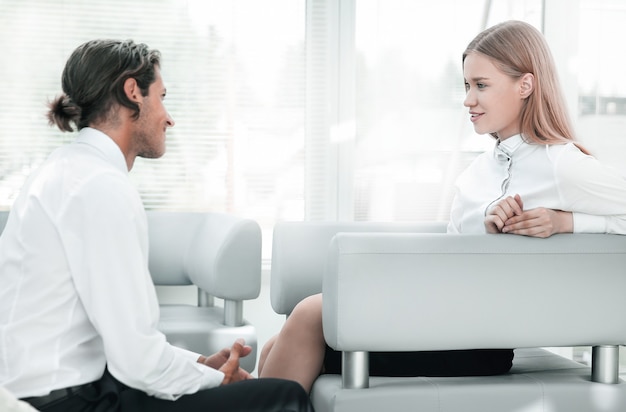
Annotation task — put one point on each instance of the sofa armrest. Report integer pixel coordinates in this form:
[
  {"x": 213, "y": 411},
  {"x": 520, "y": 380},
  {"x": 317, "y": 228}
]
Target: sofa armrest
[
  {"x": 400, "y": 292},
  {"x": 300, "y": 250},
  {"x": 219, "y": 253}
]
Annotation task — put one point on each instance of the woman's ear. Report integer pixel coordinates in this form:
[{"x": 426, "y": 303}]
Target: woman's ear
[{"x": 527, "y": 85}]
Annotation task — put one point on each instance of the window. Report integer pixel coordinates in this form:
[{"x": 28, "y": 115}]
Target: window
[
  {"x": 235, "y": 77},
  {"x": 601, "y": 112},
  {"x": 413, "y": 136}
]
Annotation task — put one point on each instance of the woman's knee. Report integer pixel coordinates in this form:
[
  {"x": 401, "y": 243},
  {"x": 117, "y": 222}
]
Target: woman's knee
[{"x": 308, "y": 311}]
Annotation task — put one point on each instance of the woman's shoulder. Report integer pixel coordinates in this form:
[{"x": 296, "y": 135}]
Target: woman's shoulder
[
  {"x": 572, "y": 164},
  {"x": 568, "y": 151}
]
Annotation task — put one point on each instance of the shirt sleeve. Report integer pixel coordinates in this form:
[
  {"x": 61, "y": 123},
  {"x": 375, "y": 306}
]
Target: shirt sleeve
[
  {"x": 456, "y": 214},
  {"x": 104, "y": 229},
  {"x": 594, "y": 192}
]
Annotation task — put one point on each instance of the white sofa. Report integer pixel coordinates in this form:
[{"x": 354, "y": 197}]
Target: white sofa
[{"x": 432, "y": 291}]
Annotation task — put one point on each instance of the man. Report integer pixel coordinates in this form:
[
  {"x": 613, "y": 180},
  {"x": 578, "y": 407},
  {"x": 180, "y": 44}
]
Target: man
[{"x": 78, "y": 310}]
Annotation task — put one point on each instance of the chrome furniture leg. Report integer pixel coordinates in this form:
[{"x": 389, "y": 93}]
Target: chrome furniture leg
[
  {"x": 355, "y": 370},
  {"x": 605, "y": 364}
]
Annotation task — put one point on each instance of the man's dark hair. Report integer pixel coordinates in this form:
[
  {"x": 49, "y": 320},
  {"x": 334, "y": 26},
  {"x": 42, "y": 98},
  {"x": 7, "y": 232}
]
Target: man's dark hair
[{"x": 93, "y": 81}]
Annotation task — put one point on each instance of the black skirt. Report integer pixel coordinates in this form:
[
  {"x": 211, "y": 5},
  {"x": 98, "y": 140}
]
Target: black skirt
[{"x": 477, "y": 362}]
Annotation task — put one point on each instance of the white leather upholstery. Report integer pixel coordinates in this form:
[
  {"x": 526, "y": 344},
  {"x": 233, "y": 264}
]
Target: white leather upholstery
[
  {"x": 299, "y": 253},
  {"x": 217, "y": 252},
  {"x": 474, "y": 291},
  {"x": 221, "y": 255},
  {"x": 425, "y": 291}
]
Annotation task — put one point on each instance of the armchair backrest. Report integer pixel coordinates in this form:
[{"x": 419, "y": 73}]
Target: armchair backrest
[
  {"x": 300, "y": 251},
  {"x": 219, "y": 253},
  {"x": 474, "y": 291}
]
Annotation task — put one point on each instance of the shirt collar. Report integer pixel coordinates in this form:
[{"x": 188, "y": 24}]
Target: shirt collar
[
  {"x": 105, "y": 145},
  {"x": 505, "y": 149}
]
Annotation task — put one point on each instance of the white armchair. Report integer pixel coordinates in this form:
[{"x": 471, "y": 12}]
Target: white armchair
[
  {"x": 426, "y": 291},
  {"x": 221, "y": 255}
]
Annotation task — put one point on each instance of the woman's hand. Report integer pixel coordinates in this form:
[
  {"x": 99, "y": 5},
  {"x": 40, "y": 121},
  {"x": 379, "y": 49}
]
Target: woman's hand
[
  {"x": 501, "y": 212},
  {"x": 508, "y": 216},
  {"x": 540, "y": 222}
]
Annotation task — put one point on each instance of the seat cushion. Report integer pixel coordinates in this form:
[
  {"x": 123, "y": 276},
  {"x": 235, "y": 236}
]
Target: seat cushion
[
  {"x": 539, "y": 381},
  {"x": 201, "y": 330}
]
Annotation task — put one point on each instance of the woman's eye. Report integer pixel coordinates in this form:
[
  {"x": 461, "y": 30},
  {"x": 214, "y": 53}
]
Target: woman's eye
[
  {"x": 467, "y": 87},
  {"x": 481, "y": 85}
]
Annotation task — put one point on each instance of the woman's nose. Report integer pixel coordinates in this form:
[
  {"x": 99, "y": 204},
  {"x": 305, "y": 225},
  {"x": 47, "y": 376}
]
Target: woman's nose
[{"x": 470, "y": 100}]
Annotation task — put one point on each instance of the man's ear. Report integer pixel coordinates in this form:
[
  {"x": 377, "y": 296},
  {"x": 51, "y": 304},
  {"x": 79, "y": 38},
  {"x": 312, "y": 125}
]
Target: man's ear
[
  {"x": 132, "y": 90},
  {"x": 527, "y": 85}
]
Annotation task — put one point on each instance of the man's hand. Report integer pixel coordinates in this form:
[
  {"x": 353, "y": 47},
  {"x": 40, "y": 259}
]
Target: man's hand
[
  {"x": 508, "y": 216},
  {"x": 227, "y": 361},
  {"x": 217, "y": 360}
]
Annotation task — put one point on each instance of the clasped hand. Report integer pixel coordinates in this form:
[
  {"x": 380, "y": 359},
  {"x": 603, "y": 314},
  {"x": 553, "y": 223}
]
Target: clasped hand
[
  {"x": 227, "y": 361},
  {"x": 509, "y": 216}
]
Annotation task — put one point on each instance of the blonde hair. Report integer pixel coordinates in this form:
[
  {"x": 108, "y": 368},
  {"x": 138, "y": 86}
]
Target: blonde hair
[{"x": 517, "y": 48}]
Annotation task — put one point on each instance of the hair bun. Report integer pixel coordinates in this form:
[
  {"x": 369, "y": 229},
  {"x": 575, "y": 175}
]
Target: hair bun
[{"x": 63, "y": 111}]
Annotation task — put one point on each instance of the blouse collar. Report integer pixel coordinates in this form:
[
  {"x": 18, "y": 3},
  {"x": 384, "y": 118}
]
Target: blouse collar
[{"x": 505, "y": 149}]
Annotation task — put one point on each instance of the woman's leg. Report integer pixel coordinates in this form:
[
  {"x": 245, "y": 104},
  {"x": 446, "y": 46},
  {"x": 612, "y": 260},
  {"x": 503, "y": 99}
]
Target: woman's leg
[
  {"x": 297, "y": 352},
  {"x": 267, "y": 348}
]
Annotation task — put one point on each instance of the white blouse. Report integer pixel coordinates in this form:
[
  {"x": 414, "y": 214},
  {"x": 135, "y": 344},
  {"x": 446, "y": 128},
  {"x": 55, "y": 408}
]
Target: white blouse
[
  {"x": 557, "y": 176},
  {"x": 76, "y": 294}
]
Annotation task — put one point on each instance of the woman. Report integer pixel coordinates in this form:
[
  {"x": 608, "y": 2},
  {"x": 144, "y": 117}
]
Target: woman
[{"x": 536, "y": 182}]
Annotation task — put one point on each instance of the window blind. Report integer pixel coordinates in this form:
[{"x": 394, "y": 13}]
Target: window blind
[
  {"x": 413, "y": 133},
  {"x": 235, "y": 74}
]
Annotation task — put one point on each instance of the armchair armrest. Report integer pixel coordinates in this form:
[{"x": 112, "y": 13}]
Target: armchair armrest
[
  {"x": 219, "y": 253},
  {"x": 446, "y": 292}
]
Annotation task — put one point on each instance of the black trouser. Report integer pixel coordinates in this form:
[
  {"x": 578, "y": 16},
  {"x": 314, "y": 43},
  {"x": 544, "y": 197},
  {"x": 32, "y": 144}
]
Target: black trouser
[{"x": 256, "y": 395}]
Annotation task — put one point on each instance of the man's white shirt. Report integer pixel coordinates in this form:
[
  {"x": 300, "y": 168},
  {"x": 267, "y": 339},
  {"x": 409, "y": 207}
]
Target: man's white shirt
[{"x": 76, "y": 295}]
